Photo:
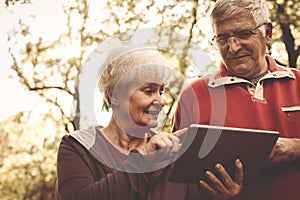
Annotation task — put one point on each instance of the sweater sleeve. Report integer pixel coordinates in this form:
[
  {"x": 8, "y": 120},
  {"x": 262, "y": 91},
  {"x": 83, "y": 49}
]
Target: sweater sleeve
[{"x": 79, "y": 177}]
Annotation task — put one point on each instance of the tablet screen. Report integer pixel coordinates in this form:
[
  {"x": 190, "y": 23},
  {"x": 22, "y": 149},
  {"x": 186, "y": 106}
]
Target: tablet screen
[{"x": 204, "y": 146}]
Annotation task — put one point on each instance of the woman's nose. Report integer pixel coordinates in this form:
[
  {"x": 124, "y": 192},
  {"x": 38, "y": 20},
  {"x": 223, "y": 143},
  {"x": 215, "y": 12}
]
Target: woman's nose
[{"x": 159, "y": 99}]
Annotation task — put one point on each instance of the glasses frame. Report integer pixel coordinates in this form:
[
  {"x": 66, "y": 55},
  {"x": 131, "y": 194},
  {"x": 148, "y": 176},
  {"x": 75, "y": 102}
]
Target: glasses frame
[{"x": 226, "y": 37}]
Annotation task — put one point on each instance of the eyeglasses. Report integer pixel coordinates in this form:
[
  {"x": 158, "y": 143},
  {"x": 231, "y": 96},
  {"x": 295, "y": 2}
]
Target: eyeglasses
[{"x": 222, "y": 39}]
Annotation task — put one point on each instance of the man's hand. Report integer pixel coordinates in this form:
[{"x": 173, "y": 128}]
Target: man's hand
[
  {"x": 226, "y": 188},
  {"x": 286, "y": 150}
]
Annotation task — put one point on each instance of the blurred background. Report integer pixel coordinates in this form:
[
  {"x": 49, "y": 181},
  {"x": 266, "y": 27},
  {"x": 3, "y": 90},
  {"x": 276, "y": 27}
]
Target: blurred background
[{"x": 45, "y": 47}]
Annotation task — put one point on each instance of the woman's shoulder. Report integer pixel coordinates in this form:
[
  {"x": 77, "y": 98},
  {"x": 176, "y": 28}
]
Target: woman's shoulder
[{"x": 83, "y": 138}]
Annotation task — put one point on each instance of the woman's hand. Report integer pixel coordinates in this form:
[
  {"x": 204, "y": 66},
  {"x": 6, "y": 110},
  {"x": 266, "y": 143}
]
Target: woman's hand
[
  {"x": 226, "y": 188},
  {"x": 168, "y": 141},
  {"x": 162, "y": 140},
  {"x": 163, "y": 145}
]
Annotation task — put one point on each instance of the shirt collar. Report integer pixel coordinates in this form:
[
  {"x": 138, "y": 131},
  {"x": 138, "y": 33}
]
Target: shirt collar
[{"x": 224, "y": 77}]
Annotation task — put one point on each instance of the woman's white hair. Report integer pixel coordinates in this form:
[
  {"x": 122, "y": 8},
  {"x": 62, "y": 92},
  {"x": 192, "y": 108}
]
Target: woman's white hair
[{"x": 127, "y": 64}]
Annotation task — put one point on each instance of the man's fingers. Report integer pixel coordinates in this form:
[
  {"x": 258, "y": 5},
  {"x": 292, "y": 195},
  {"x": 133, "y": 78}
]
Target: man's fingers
[
  {"x": 209, "y": 189},
  {"x": 239, "y": 173},
  {"x": 225, "y": 177}
]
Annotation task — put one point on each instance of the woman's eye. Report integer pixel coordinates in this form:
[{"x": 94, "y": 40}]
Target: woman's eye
[
  {"x": 153, "y": 90},
  {"x": 149, "y": 91}
]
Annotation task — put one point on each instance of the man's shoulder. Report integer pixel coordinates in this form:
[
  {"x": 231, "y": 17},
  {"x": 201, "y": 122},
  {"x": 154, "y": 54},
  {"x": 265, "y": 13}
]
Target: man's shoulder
[
  {"x": 200, "y": 80},
  {"x": 196, "y": 84},
  {"x": 295, "y": 71}
]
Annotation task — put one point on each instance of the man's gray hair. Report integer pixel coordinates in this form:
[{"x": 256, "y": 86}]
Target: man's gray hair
[{"x": 224, "y": 9}]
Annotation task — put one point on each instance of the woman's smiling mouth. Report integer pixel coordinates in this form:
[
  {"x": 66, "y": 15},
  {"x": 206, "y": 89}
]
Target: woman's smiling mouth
[{"x": 153, "y": 113}]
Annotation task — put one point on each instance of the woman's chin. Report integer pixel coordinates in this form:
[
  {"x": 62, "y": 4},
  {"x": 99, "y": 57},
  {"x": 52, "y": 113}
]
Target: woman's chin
[
  {"x": 153, "y": 124},
  {"x": 150, "y": 124}
]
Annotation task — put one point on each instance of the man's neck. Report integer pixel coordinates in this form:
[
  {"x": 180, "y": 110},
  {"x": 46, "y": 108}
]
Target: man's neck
[{"x": 257, "y": 78}]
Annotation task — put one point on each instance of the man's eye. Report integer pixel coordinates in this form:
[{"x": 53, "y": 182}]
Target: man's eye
[
  {"x": 222, "y": 39},
  {"x": 243, "y": 34}
]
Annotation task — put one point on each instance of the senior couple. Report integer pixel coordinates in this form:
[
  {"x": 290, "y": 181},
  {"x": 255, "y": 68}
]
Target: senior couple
[{"x": 126, "y": 160}]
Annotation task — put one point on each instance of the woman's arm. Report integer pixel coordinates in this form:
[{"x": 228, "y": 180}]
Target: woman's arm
[{"x": 77, "y": 171}]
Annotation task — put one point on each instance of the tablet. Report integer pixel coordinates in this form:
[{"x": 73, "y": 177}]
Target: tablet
[{"x": 203, "y": 146}]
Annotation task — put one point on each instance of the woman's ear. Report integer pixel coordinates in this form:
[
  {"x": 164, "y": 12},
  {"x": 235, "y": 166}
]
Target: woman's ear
[
  {"x": 269, "y": 29},
  {"x": 113, "y": 98},
  {"x": 114, "y": 101}
]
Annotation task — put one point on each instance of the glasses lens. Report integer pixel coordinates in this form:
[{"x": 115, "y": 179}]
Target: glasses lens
[
  {"x": 223, "y": 39},
  {"x": 244, "y": 34}
]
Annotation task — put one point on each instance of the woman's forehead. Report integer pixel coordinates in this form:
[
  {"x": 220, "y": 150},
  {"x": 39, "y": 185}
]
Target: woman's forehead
[{"x": 147, "y": 83}]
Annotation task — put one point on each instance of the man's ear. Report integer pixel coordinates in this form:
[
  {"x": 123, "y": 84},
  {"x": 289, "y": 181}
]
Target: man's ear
[{"x": 269, "y": 29}]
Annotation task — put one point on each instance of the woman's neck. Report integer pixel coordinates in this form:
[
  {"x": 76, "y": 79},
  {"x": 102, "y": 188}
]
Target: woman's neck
[{"x": 120, "y": 139}]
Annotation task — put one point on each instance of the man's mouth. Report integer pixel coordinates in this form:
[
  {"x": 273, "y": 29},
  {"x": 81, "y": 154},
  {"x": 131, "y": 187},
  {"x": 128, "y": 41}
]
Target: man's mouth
[{"x": 237, "y": 57}]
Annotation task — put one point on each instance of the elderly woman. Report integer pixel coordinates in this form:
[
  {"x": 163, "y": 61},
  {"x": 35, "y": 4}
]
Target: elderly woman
[{"x": 124, "y": 160}]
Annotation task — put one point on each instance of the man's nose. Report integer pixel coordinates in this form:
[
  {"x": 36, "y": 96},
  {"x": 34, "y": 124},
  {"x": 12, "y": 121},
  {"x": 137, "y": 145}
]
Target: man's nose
[{"x": 234, "y": 44}]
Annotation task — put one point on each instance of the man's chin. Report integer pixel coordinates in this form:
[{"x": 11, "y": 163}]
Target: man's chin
[{"x": 241, "y": 71}]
